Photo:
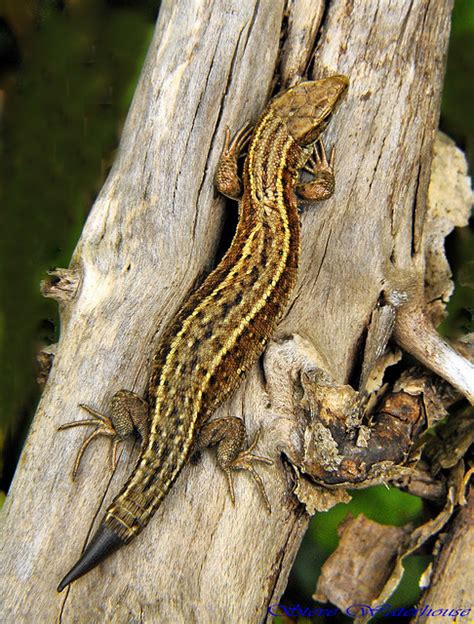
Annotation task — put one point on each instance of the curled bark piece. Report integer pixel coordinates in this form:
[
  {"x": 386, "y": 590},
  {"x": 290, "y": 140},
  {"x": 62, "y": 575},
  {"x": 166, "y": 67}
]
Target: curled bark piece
[
  {"x": 420, "y": 482},
  {"x": 315, "y": 497},
  {"x": 452, "y": 440},
  {"x": 358, "y": 569},
  {"x": 333, "y": 453}
]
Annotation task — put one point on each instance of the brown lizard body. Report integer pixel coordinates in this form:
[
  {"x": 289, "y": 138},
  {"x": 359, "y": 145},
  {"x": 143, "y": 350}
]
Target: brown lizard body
[{"x": 222, "y": 329}]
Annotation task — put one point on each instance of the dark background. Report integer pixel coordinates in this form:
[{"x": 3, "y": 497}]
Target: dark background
[{"x": 68, "y": 70}]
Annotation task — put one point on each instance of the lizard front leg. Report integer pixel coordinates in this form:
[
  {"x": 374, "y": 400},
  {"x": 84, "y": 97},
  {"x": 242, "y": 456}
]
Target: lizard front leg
[
  {"x": 229, "y": 435},
  {"x": 227, "y": 180},
  {"x": 129, "y": 413}
]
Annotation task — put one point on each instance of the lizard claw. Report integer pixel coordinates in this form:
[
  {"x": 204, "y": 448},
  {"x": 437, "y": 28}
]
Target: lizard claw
[
  {"x": 322, "y": 185},
  {"x": 227, "y": 178},
  {"x": 103, "y": 426},
  {"x": 319, "y": 161},
  {"x": 244, "y": 461},
  {"x": 233, "y": 147}
]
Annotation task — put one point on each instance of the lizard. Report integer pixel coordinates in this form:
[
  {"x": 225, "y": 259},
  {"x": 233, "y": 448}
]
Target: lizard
[{"x": 223, "y": 328}]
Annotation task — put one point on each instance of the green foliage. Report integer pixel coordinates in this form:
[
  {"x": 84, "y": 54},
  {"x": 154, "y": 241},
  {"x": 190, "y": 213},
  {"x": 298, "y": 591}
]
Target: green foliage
[
  {"x": 461, "y": 305},
  {"x": 385, "y": 505},
  {"x": 458, "y": 93}
]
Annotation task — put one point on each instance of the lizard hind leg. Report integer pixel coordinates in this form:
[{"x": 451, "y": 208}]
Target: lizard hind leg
[
  {"x": 129, "y": 413},
  {"x": 229, "y": 434}
]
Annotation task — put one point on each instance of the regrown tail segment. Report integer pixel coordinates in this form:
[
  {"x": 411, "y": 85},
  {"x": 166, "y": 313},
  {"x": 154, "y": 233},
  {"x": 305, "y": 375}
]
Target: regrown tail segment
[{"x": 103, "y": 544}]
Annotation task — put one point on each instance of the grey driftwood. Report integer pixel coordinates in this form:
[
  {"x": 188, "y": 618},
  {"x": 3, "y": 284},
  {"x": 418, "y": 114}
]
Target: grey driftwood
[{"x": 150, "y": 237}]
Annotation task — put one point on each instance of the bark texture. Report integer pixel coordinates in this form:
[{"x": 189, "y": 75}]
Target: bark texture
[{"x": 152, "y": 234}]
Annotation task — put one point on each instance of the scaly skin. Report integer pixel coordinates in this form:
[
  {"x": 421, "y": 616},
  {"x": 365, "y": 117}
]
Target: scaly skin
[{"x": 223, "y": 328}]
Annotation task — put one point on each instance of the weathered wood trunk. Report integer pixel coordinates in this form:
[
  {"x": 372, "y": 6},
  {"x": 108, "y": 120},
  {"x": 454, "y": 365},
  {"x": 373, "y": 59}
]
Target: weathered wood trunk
[{"x": 153, "y": 232}]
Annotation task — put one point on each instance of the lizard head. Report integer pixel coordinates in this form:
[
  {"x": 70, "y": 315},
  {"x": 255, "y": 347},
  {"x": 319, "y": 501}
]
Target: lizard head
[{"x": 306, "y": 106}]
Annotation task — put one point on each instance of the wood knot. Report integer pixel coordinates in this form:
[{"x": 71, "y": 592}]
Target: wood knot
[{"x": 61, "y": 285}]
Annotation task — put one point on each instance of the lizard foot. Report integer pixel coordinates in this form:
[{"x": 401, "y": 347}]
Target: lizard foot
[
  {"x": 103, "y": 426},
  {"x": 129, "y": 414},
  {"x": 244, "y": 461},
  {"x": 322, "y": 185}
]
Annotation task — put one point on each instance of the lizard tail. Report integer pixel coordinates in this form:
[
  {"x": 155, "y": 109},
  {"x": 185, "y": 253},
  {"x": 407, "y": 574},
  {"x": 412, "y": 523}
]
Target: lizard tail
[{"x": 103, "y": 544}]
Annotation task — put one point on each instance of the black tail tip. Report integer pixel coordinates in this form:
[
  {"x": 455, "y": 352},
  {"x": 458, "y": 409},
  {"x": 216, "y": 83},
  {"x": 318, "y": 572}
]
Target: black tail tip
[{"x": 103, "y": 544}]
